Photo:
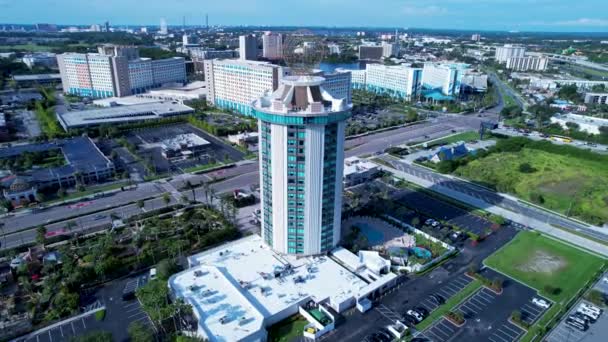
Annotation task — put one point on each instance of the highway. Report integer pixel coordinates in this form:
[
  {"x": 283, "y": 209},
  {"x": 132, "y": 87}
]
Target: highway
[
  {"x": 87, "y": 215},
  {"x": 492, "y": 198}
]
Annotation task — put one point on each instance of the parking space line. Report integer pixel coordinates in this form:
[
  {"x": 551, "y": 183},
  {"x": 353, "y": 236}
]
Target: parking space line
[
  {"x": 486, "y": 296},
  {"x": 50, "y": 336},
  {"x": 475, "y": 305},
  {"x": 512, "y": 330},
  {"x": 73, "y": 330},
  {"x": 469, "y": 309},
  {"x": 449, "y": 294},
  {"x": 478, "y": 302},
  {"x": 500, "y": 337},
  {"x": 432, "y": 333},
  {"x": 85, "y": 326},
  {"x": 61, "y": 330}
]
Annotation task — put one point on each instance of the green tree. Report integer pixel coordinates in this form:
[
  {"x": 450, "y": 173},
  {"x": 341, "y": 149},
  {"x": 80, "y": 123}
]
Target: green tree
[
  {"x": 166, "y": 198},
  {"x": 166, "y": 268},
  {"x": 141, "y": 204},
  {"x": 138, "y": 332},
  {"x": 40, "y": 235}
]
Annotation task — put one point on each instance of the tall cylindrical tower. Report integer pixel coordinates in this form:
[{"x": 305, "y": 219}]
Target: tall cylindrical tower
[{"x": 301, "y": 165}]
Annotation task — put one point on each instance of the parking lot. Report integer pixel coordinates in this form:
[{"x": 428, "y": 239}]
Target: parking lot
[
  {"x": 446, "y": 291},
  {"x": 118, "y": 316},
  {"x": 63, "y": 332},
  {"x": 597, "y": 332},
  {"x": 149, "y": 138},
  {"x": 444, "y": 211},
  {"x": 487, "y": 314}
]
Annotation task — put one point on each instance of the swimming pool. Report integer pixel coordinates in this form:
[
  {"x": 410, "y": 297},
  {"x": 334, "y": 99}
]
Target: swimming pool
[{"x": 374, "y": 237}]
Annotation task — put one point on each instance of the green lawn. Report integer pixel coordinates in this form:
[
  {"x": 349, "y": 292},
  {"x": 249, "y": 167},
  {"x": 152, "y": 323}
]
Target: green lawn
[
  {"x": 202, "y": 167},
  {"x": 449, "y": 305},
  {"x": 287, "y": 329},
  {"x": 573, "y": 186},
  {"x": 539, "y": 261}
]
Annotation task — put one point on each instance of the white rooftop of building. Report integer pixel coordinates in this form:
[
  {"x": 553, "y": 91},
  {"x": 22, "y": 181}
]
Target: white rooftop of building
[
  {"x": 245, "y": 285},
  {"x": 582, "y": 119},
  {"x": 357, "y": 165},
  {"x": 183, "y": 140},
  {"x": 121, "y": 114}
]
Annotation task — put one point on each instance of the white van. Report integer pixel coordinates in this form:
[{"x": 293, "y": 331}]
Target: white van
[{"x": 152, "y": 274}]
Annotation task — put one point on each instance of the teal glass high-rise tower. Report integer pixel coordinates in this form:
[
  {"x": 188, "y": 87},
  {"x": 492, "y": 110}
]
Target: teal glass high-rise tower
[{"x": 301, "y": 150}]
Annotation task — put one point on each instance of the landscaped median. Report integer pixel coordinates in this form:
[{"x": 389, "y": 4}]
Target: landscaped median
[{"x": 449, "y": 305}]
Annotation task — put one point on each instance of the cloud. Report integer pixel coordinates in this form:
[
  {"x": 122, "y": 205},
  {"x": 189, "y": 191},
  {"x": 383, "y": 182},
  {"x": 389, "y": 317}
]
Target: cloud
[
  {"x": 584, "y": 22},
  {"x": 430, "y": 10}
]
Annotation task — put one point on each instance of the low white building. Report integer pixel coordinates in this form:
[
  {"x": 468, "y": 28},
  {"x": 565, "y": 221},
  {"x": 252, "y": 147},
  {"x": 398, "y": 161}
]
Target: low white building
[
  {"x": 357, "y": 171},
  {"x": 599, "y": 98},
  {"x": 587, "y": 124},
  {"x": 239, "y": 289},
  {"x": 244, "y": 138}
]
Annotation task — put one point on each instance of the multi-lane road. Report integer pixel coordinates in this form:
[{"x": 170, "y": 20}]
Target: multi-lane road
[
  {"x": 19, "y": 229},
  {"x": 524, "y": 213}
]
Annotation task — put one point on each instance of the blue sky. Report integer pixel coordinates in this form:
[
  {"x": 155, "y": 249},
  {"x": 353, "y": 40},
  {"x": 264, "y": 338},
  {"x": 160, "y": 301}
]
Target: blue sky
[{"x": 537, "y": 15}]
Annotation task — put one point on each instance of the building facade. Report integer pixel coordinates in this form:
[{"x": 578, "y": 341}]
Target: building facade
[
  {"x": 370, "y": 52},
  {"x": 338, "y": 84},
  {"x": 234, "y": 84},
  {"x": 301, "y": 129},
  {"x": 390, "y": 49},
  {"x": 504, "y": 53},
  {"x": 272, "y": 45},
  {"x": 445, "y": 77},
  {"x": 117, "y": 72},
  {"x": 596, "y": 98},
  {"x": 46, "y": 59},
  {"x": 396, "y": 80},
  {"x": 527, "y": 63},
  {"x": 248, "y": 47}
]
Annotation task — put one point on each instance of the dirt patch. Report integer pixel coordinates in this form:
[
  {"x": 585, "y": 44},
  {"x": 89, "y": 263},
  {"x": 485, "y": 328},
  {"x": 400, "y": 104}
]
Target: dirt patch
[
  {"x": 543, "y": 262},
  {"x": 567, "y": 187}
]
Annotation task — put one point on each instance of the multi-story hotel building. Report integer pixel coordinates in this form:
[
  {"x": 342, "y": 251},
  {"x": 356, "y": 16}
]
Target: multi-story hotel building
[
  {"x": 248, "y": 47},
  {"x": 527, "y": 63},
  {"x": 301, "y": 127},
  {"x": 272, "y": 45},
  {"x": 234, "y": 84},
  {"x": 444, "y": 77},
  {"x": 395, "y": 80},
  {"x": 117, "y": 71},
  {"x": 503, "y": 53}
]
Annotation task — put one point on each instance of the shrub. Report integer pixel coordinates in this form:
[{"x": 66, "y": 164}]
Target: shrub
[
  {"x": 100, "y": 315},
  {"x": 526, "y": 168},
  {"x": 456, "y": 317},
  {"x": 552, "y": 290}
]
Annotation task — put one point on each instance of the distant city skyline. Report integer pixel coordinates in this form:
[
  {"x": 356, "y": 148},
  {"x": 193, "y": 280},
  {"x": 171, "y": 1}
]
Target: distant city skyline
[{"x": 520, "y": 15}]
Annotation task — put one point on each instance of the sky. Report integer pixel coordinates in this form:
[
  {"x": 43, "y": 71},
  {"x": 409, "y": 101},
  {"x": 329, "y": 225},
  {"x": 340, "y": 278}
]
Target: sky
[{"x": 520, "y": 15}]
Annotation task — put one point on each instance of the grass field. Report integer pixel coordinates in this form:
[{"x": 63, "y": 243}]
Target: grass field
[
  {"x": 539, "y": 261},
  {"x": 287, "y": 329},
  {"x": 572, "y": 186}
]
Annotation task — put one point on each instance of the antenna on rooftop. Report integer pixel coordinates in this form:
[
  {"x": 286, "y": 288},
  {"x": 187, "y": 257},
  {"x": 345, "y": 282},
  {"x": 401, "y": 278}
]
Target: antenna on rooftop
[{"x": 303, "y": 53}]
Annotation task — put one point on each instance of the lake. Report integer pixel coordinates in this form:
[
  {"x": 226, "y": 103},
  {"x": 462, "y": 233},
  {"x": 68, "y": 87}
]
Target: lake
[{"x": 331, "y": 67}]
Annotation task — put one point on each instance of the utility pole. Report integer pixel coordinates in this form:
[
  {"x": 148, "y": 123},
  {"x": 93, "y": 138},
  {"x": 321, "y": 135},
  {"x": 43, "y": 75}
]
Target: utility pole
[{"x": 207, "y": 22}]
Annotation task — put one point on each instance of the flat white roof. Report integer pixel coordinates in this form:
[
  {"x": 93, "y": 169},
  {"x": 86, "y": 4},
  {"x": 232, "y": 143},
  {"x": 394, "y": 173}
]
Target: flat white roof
[
  {"x": 144, "y": 111},
  {"x": 245, "y": 274}
]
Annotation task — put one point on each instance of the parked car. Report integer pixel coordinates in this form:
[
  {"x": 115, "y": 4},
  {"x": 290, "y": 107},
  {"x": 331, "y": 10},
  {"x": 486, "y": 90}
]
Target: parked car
[
  {"x": 416, "y": 315},
  {"x": 438, "y": 298},
  {"x": 152, "y": 273},
  {"x": 541, "y": 303},
  {"x": 422, "y": 311}
]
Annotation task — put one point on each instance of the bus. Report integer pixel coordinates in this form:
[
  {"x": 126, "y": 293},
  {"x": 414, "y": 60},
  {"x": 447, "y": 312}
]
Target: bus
[{"x": 561, "y": 138}]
